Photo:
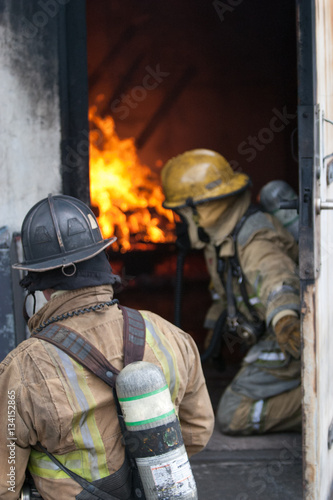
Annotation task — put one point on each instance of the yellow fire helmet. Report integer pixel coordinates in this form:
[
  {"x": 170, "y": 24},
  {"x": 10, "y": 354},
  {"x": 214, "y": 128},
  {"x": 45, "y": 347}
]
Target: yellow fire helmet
[{"x": 198, "y": 176}]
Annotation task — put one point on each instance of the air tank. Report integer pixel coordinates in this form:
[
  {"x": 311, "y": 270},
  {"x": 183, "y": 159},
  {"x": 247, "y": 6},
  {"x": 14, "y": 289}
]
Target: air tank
[
  {"x": 271, "y": 195},
  {"x": 154, "y": 435}
]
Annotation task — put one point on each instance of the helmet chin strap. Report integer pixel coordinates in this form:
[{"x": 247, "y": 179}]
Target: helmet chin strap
[
  {"x": 202, "y": 235},
  {"x": 25, "y": 313}
]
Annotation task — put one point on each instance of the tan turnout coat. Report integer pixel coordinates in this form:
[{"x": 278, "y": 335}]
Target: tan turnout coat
[{"x": 72, "y": 412}]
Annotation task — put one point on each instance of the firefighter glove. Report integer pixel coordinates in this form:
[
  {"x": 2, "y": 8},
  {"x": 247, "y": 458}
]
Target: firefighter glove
[{"x": 288, "y": 334}]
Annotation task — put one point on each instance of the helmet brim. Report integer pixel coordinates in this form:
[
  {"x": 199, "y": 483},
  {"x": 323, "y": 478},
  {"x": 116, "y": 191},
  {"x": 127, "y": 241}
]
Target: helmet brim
[
  {"x": 237, "y": 185},
  {"x": 65, "y": 260}
]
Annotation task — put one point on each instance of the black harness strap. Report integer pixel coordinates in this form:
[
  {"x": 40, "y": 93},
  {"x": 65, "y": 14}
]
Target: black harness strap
[
  {"x": 85, "y": 353},
  {"x": 235, "y": 259},
  {"x": 76, "y": 346},
  {"x": 89, "y": 487},
  {"x": 234, "y": 268},
  {"x": 134, "y": 335}
]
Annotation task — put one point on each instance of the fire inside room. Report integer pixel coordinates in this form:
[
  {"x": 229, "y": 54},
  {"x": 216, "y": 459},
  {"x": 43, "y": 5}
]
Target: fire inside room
[{"x": 166, "y": 77}]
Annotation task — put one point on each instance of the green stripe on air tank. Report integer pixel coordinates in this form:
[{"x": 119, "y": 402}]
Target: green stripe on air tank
[
  {"x": 149, "y": 420},
  {"x": 141, "y": 396}
]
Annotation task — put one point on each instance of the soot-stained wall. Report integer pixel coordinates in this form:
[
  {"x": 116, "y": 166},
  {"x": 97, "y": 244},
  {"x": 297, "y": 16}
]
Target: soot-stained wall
[
  {"x": 29, "y": 119},
  {"x": 44, "y": 145},
  {"x": 43, "y": 98}
]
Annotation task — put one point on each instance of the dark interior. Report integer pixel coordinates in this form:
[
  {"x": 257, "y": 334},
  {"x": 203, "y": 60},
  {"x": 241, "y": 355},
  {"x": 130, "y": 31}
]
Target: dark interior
[{"x": 226, "y": 79}]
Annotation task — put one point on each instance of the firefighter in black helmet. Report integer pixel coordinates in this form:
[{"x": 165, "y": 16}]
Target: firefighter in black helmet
[
  {"x": 67, "y": 431},
  {"x": 58, "y": 232},
  {"x": 252, "y": 262}
]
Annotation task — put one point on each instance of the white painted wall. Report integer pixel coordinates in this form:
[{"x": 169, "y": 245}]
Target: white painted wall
[
  {"x": 324, "y": 309},
  {"x": 319, "y": 474},
  {"x": 29, "y": 123}
]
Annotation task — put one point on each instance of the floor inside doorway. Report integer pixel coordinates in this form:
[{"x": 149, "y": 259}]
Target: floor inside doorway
[{"x": 247, "y": 468}]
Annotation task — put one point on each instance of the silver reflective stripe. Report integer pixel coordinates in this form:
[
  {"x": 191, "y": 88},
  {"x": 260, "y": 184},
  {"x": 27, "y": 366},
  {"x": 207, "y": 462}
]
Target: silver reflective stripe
[
  {"x": 252, "y": 300},
  {"x": 166, "y": 353},
  {"x": 272, "y": 356},
  {"x": 256, "y": 414},
  {"x": 84, "y": 405},
  {"x": 48, "y": 464}
]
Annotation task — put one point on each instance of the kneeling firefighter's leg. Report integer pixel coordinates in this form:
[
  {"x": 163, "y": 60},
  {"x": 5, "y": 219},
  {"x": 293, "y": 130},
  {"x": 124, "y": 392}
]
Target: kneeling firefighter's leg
[
  {"x": 240, "y": 415},
  {"x": 265, "y": 395}
]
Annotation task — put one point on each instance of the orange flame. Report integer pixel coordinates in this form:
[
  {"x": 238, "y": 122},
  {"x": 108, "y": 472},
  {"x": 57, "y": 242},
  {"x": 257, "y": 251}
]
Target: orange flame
[{"x": 128, "y": 194}]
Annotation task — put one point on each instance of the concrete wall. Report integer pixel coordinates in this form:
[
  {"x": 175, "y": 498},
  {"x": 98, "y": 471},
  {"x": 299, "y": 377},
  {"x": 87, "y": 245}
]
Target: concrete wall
[
  {"x": 44, "y": 127},
  {"x": 30, "y": 113}
]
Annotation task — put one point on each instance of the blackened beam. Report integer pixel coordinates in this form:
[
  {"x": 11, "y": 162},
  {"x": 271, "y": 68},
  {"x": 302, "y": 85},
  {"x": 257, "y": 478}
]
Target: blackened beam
[
  {"x": 123, "y": 85},
  {"x": 165, "y": 106},
  {"x": 100, "y": 70}
]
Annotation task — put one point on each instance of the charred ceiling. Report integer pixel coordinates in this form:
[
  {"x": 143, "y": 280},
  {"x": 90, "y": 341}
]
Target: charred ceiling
[{"x": 181, "y": 75}]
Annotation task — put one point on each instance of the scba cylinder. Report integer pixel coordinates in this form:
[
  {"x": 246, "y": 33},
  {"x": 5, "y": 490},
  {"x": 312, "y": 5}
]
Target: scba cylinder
[
  {"x": 270, "y": 197},
  {"x": 154, "y": 436}
]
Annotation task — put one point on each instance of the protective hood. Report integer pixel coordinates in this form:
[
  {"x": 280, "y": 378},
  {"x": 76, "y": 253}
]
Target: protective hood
[
  {"x": 92, "y": 272},
  {"x": 218, "y": 221}
]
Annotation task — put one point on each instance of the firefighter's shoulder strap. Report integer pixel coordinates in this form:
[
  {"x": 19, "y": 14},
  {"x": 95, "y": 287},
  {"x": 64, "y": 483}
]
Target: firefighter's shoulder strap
[
  {"x": 241, "y": 235},
  {"x": 85, "y": 353},
  {"x": 252, "y": 209},
  {"x": 235, "y": 264},
  {"x": 255, "y": 219}
]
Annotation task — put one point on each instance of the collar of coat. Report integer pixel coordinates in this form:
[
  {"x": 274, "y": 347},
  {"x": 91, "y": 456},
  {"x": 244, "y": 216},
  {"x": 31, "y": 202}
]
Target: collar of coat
[{"x": 69, "y": 301}]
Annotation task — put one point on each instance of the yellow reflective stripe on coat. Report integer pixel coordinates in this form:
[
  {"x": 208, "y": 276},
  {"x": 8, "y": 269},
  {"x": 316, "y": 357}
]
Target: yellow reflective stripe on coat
[
  {"x": 90, "y": 459},
  {"x": 165, "y": 355},
  {"x": 41, "y": 465}
]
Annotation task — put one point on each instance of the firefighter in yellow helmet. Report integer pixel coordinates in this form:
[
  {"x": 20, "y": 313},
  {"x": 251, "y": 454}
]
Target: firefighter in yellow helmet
[{"x": 252, "y": 262}]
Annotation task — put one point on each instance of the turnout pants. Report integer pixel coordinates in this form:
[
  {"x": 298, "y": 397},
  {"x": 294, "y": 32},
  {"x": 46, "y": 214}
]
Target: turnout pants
[{"x": 265, "y": 395}]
